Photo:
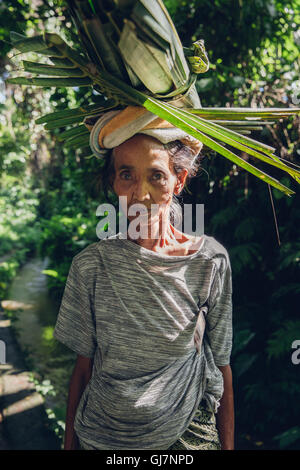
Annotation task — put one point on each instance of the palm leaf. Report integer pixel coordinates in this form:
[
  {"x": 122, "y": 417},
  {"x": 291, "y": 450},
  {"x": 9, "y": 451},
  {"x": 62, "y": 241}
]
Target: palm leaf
[
  {"x": 244, "y": 113},
  {"x": 51, "y": 82},
  {"x": 245, "y": 144},
  {"x": 181, "y": 122},
  {"x": 53, "y": 71},
  {"x": 80, "y": 112},
  {"x": 75, "y": 131},
  {"x": 103, "y": 67}
]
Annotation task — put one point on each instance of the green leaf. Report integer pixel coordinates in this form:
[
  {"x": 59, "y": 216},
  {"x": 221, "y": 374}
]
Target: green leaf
[
  {"x": 209, "y": 133},
  {"x": 16, "y": 37},
  {"x": 29, "y": 44},
  {"x": 61, "y": 62},
  {"x": 236, "y": 140},
  {"x": 51, "y": 82},
  {"x": 63, "y": 122},
  {"x": 143, "y": 62},
  {"x": 75, "y": 131},
  {"x": 243, "y": 362},
  {"x": 166, "y": 112},
  {"x": 100, "y": 39},
  {"x": 50, "y": 272},
  {"x": 242, "y": 338},
  {"x": 45, "y": 69},
  {"x": 246, "y": 113},
  {"x": 79, "y": 141},
  {"x": 280, "y": 342},
  {"x": 81, "y": 112},
  {"x": 288, "y": 437}
]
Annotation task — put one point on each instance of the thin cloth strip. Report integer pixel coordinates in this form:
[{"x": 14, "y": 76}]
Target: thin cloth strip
[{"x": 115, "y": 127}]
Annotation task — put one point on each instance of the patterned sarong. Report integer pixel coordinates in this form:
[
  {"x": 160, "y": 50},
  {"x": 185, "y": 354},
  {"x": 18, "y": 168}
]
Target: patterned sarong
[{"x": 201, "y": 433}]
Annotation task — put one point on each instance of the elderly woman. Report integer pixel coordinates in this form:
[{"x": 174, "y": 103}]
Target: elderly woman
[{"x": 150, "y": 317}]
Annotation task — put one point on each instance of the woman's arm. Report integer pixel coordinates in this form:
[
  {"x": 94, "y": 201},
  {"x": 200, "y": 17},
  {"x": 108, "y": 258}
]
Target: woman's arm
[
  {"x": 79, "y": 379},
  {"x": 225, "y": 414}
]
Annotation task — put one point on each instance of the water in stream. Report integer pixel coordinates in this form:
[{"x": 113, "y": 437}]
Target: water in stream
[{"x": 34, "y": 325}]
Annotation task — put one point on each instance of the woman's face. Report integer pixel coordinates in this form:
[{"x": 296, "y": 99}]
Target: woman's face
[{"x": 144, "y": 174}]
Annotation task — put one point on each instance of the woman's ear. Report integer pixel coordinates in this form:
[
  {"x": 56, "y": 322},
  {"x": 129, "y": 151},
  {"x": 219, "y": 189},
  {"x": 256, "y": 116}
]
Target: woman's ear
[
  {"x": 181, "y": 177},
  {"x": 177, "y": 189}
]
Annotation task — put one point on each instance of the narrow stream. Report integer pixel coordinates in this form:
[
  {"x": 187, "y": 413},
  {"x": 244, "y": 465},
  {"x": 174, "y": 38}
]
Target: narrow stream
[{"x": 35, "y": 323}]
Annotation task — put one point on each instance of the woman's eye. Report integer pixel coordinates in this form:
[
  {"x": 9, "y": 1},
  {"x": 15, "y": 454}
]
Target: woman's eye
[
  {"x": 124, "y": 174},
  {"x": 159, "y": 174}
]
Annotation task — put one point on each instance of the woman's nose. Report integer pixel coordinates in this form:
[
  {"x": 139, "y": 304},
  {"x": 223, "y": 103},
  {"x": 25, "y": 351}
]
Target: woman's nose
[{"x": 141, "y": 190}]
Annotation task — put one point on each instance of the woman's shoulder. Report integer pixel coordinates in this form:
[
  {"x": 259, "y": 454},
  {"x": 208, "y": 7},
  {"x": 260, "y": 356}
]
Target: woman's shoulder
[
  {"x": 88, "y": 260},
  {"x": 92, "y": 256},
  {"x": 86, "y": 253},
  {"x": 215, "y": 250}
]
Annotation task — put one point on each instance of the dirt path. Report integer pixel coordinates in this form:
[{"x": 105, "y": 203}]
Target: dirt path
[{"x": 23, "y": 419}]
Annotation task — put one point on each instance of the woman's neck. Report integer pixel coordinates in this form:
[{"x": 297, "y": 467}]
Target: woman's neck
[{"x": 163, "y": 239}]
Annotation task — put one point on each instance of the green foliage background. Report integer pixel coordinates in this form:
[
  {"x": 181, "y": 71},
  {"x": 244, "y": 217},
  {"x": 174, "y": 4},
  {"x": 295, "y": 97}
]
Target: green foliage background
[{"x": 49, "y": 196}]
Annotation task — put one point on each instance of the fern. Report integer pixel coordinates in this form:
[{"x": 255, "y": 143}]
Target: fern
[
  {"x": 280, "y": 342},
  {"x": 245, "y": 256},
  {"x": 288, "y": 437}
]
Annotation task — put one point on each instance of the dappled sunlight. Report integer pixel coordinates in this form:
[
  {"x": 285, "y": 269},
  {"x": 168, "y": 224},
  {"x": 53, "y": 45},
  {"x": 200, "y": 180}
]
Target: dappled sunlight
[{"x": 15, "y": 305}]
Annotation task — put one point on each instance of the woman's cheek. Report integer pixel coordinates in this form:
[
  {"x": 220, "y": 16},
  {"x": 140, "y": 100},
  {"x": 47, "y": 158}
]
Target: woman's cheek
[
  {"x": 167, "y": 194},
  {"x": 121, "y": 187}
]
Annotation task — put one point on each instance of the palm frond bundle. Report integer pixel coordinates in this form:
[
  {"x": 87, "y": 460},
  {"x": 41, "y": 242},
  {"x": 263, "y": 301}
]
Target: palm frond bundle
[{"x": 131, "y": 54}]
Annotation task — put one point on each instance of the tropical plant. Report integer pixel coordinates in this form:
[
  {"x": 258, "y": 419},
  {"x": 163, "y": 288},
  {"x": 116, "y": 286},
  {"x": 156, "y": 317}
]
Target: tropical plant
[{"x": 131, "y": 54}]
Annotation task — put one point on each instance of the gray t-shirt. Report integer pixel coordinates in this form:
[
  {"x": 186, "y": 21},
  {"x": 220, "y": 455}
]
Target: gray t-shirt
[{"x": 137, "y": 312}]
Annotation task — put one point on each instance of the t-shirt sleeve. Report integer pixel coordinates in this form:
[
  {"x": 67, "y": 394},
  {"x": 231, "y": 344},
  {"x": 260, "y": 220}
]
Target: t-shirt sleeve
[
  {"x": 219, "y": 316},
  {"x": 75, "y": 325}
]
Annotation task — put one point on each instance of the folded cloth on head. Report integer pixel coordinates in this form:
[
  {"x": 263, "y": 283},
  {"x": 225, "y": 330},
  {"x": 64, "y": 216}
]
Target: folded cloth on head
[{"x": 112, "y": 128}]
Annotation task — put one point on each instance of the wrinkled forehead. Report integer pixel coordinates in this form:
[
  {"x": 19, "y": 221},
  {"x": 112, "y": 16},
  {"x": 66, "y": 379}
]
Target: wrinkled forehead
[
  {"x": 139, "y": 141},
  {"x": 141, "y": 149}
]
